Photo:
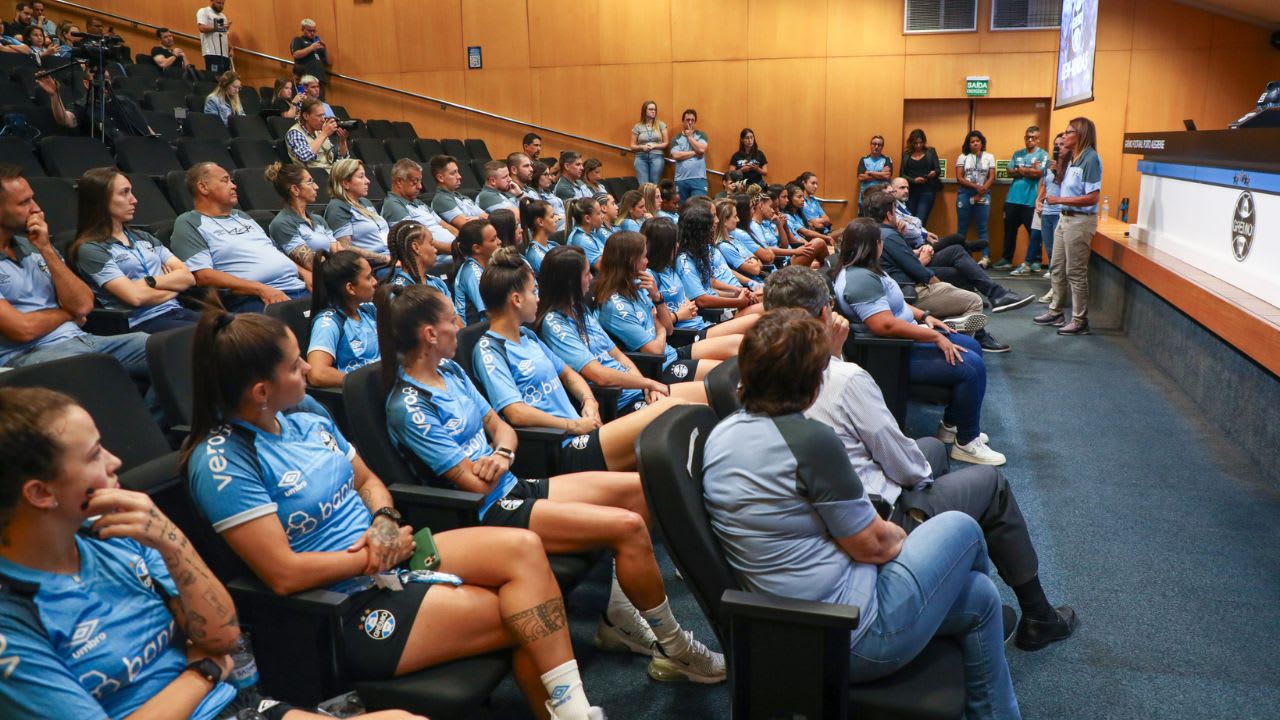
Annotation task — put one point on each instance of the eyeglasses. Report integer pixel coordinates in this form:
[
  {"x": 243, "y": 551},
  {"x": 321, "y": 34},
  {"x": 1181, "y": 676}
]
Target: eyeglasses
[{"x": 1069, "y": 131}]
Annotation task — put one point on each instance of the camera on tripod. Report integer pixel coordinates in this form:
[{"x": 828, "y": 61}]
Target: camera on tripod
[{"x": 96, "y": 49}]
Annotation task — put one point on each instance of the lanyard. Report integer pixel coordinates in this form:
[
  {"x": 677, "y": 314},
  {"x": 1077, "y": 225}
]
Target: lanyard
[{"x": 133, "y": 248}]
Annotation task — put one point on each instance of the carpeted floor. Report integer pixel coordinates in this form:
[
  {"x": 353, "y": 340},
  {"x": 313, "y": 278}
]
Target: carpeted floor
[{"x": 1147, "y": 520}]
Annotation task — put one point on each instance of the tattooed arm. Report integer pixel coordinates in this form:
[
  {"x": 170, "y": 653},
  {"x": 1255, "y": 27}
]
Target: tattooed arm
[
  {"x": 302, "y": 255},
  {"x": 203, "y": 609},
  {"x": 375, "y": 259},
  {"x": 386, "y": 541}
]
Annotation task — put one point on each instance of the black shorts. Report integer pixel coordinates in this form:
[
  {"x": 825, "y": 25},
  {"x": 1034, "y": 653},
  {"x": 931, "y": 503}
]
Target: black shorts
[
  {"x": 582, "y": 453},
  {"x": 516, "y": 508},
  {"x": 376, "y": 629},
  {"x": 682, "y": 369}
]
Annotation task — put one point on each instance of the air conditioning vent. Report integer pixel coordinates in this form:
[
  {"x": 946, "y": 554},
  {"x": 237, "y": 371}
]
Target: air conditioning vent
[
  {"x": 928, "y": 16},
  {"x": 1025, "y": 14}
]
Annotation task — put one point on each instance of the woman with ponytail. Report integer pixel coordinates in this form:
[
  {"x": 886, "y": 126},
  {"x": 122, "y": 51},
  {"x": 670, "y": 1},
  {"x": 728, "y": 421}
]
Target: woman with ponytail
[
  {"x": 413, "y": 256},
  {"x": 344, "y": 331},
  {"x": 795, "y": 206},
  {"x": 293, "y": 499},
  {"x": 295, "y": 230},
  {"x": 762, "y": 226},
  {"x": 585, "y": 218},
  {"x": 538, "y": 219},
  {"x": 438, "y": 417},
  {"x": 477, "y": 241}
]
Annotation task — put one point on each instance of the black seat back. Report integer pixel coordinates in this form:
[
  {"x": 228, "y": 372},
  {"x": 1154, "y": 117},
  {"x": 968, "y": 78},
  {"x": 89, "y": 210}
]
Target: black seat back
[
  {"x": 18, "y": 152},
  {"x": 297, "y": 315},
  {"x": 427, "y": 149},
  {"x": 165, "y": 125},
  {"x": 278, "y": 126},
  {"x": 722, "y": 388},
  {"x": 169, "y": 355},
  {"x": 162, "y": 101},
  {"x": 169, "y": 84},
  {"x": 402, "y": 149},
  {"x": 252, "y": 152},
  {"x": 249, "y": 126},
  {"x": 371, "y": 151},
  {"x": 456, "y": 148},
  {"x": 669, "y": 457},
  {"x": 366, "y": 403},
  {"x": 57, "y": 197},
  {"x": 209, "y": 127},
  {"x": 147, "y": 155},
  {"x": 254, "y": 191},
  {"x": 477, "y": 149},
  {"x": 69, "y": 157},
  {"x": 154, "y": 210},
  {"x": 250, "y": 102},
  {"x": 404, "y": 130},
  {"x": 194, "y": 150},
  {"x": 175, "y": 186},
  {"x": 100, "y": 384},
  {"x": 467, "y": 339},
  {"x": 380, "y": 129}
]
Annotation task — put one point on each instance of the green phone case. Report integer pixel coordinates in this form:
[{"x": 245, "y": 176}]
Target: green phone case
[{"x": 425, "y": 556}]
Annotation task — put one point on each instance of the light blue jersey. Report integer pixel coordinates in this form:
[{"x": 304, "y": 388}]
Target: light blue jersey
[
  {"x": 579, "y": 346},
  {"x": 811, "y": 210},
  {"x": 441, "y": 428},
  {"x": 466, "y": 292},
  {"x": 401, "y": 278},
  {"x": 92, "y": 645},
  {"x": 630, "y": 225},
  {"x": 674, "y": 295},
  {"x": 27, "y": 285},
  {"x": 631, "y": 322},
  {"x": 522, "y": 372},
  {"x": 695, "y": 285},
  {"x": 591, "y": 244},
  {"x": 303, "y": 476},
  {"x": 536, "y": 252},
  {"x": 351, "y": 343},
  {"x": 109, "y": 260}
]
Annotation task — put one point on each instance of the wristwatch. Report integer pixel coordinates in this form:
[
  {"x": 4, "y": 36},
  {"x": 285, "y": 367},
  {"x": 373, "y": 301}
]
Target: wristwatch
[
  {"x": 924, "y": 318},
  {"x": 150, "y": 280},
  {"x": 505, "y": 452},
  {"x": 208, "y": 668},
  {"x": 389, "y": 512}
]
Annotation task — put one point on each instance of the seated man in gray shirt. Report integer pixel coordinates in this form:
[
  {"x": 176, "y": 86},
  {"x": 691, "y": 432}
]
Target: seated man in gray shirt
[
  {"x": 496, "y": 193},
  {"x": 910, "y": 477},
  {"x": 452, "y": 206},
  {"x": 402, "y": 203},
  {"x": 226, "y": 248},
  {"x": 794, "y": 520}
]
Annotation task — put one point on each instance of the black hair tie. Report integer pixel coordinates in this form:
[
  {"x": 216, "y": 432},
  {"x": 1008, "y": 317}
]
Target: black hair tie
[{"x": 223, "y": 321}]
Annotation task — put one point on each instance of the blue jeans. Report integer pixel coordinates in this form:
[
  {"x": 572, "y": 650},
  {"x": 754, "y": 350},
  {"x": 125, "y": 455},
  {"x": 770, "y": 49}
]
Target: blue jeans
[
  {"x": 967, "y": 380},
  {"x": 920, "y": 203},
  {"x": 130, "y": 349},
  {"x": 1048, "y": 224},
  {"x": 648, "y": 168},
  {"x": 253, "y": 303},
  {"x": 691, "y": 187},
  {"x": 176, "y": 318},
  {"x": 967, "y": 212},
  {"x": 939, "y": 585}
]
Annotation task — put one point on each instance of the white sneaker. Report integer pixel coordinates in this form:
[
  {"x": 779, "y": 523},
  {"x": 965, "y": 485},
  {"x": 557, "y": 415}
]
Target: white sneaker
[
  {"x": 1046, "y": 298},
  {"x": 967, "y": 324},
  {"x": 696, "y": 664},
  {"x": 947, "y": 434},
  {"x": 984, "y": 262},
  {"x": 631, "y": 635},
  {"x": 976, "y": 452},
  {"x": 1023, "y": 269},
  {"x": 1046, "y": 274},
  {"x": 595, "y": 713}
]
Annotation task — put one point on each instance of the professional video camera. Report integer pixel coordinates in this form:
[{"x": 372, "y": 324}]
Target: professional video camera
[{"x": 97, "y": 49}]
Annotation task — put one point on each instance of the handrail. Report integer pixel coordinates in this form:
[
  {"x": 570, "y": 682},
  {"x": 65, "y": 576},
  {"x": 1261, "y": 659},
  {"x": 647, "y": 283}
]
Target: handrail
[{"x": 444, "y": 104}]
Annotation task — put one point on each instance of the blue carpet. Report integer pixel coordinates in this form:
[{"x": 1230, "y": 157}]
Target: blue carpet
[{"x": 1147, "y": 520}]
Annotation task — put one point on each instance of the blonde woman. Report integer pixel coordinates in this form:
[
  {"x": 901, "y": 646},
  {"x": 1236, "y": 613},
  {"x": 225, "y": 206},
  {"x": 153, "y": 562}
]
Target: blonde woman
[
  {"x": 224, "y": 101},
  {"x": 354, "y": 220},
  {"x": 649, "y": 138},
  {"x": 651, "y": 199}
]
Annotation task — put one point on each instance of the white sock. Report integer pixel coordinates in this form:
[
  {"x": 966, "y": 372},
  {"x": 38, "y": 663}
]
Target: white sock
[
  {"x": 665, "y": 628},
  {"x": 619, "y": 608},
  {"x": 564, "y": 687}
]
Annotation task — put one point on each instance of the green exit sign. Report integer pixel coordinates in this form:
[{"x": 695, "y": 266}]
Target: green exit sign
[{"x": 976, "y": 86}]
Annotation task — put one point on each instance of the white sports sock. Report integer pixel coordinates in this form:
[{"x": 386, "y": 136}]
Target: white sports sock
[
  {"x": 564, "y": 687},
  {"x": 665, "y": 628},
  {"x": 619, "y": 608}
]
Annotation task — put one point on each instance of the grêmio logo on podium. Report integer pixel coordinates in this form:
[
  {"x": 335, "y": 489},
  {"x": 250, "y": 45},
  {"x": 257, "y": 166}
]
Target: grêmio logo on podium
[{"x": 1243, "y": 224}]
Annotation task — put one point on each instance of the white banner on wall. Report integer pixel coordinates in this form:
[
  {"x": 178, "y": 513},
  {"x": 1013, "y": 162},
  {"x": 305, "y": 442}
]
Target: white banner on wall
[{"x": 1076, "y": 45}]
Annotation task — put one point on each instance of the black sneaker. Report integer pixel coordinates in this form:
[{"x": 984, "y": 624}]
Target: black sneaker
[
  {"x": 989, "y": 343},
  {"x": 1075, "y": 327},
  {"x": 1010, "y": 301}
]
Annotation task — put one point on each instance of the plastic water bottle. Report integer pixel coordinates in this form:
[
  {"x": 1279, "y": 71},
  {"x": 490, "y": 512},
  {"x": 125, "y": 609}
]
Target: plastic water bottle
[
  {"x": 1124, "y": 210},
  {"x": 1106, "y": 206},
  {"x": 244, "y": 672}
]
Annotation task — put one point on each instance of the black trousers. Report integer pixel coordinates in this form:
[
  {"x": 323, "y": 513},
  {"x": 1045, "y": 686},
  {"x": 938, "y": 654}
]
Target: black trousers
[
  {"x": 953, "y": 264},
  {"x": 217, "y": 64},
  {"x": 1015, "y": 216},
  {"x": 982, "y": 493}
]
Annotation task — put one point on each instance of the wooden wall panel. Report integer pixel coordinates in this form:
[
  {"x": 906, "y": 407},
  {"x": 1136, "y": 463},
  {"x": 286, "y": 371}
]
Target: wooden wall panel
[
  {"x": 864, "y": 98},
  {"x": 571, "y": 98},
  {"x": 428, "y": 35},
  {"x": 564, "y": 33},
  {"x": 785, "y": 29},
  {"x": 373, "y": 51},
  {"x": 709, "y": 30},
  {"x": 429, "y": 120},
  {"x": 635, "y": 32},
  {"x": 864, "y": 28},
  {"x": 1165, "y": 25},
  {"x": 1013, "y": 75},
  {"x": 505, "y": 92},
  {"x": 1115, "y": 25},
  {"x": 966, "y": 43},
  {"x": 784, "y": 98},
  {"x": 501, "y": 29},
  {"x": 718, "y": 91}
]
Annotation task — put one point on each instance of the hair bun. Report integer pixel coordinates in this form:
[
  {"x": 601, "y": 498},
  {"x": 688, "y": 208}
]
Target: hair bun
[{"x": 506, "y": 257}]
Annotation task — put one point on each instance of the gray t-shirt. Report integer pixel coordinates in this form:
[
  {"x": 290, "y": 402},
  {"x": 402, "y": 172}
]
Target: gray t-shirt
[
  {"x": 234, "y": 244},
  {"x": 107, "y": 260},
  {"x": 396, "y": 209},
  {"x": 778, "y": 491},
  {"x": 649, "y": 134},
  {"x": 287, "y": 231},
  {"x": 449, "y": 205},
  {"x": 490, "y": 200},
  {"x": 368, "y": 230},
  {"x": 694, "y": 168}
]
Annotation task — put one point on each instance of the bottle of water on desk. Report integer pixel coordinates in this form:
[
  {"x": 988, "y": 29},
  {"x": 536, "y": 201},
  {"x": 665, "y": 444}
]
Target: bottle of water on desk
[{"x": 1105, "y": 210}]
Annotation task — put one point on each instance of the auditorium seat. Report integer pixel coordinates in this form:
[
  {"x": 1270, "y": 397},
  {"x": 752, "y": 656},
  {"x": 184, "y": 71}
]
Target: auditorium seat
[
  {"x": 630, "y": 182},
  {"x": 377, "y": 191},
  {"x": 278, "y": 126},
  {"x": 401, "y": 149},
  {"x": 175, "y": 187},
  {"x": 165, "y": 124},
  {"x": 207, "y": 127},
  {"x": 151, "y": 156},
  {"x": 322, "y": 182},
  {"x": 17, "y": 151},
  {"x": 69, "y": 157},
  {"x": 173, "y": 85},
  {"x": 143, "y": 70},
  {"x": 203, "y": 87},
  {"x": 56, "y": 196},
  {"x": 195, "y": 103},
  {"x": 153, "y": 211},
  {"x": 478, "y": 150},
  {"x": 380, "y": 129},
  {"x": 250, "y": 102},
  {"x": 249, "y": 126},
  {"x": 134, "y": 87},
  {"x": 614, "y": 187},
  {"x": 427, "y": 149},
  {"x": 383, "y": 173},
  {"x": 371, "y": 151},
  {"x": 192, "y": 150},
  {"x": 340, "y": 112},
  {"x": 163, "y": 101},
  {"x": 471, "y": 178},
  {"x": 404, "y": 130},
  {"x": 457, "y": 149},
  {"x": 39, "y": 117},
  {"x": 254, "y": 191},
  {"x": 263, "y": 218},
  {"x": 252, "y": 152}
]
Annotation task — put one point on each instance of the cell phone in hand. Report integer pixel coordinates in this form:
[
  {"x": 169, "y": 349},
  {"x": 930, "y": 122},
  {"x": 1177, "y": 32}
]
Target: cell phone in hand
[{"x": 425, "y": 556}]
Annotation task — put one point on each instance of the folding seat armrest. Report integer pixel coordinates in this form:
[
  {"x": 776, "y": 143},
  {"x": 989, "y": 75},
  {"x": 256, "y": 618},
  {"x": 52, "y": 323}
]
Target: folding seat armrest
[
  {"x": 318, "y": 602},
  {"x": 539, "y": 450},
  {"x": 607, "y": 398},
  {"x": 437, "y": 508},
  {"x": 680, "y": 337},
  {"x": 799, "y": 645},
  {"x": 107, "y": 322},
  {"x": 649, "y": 364}
]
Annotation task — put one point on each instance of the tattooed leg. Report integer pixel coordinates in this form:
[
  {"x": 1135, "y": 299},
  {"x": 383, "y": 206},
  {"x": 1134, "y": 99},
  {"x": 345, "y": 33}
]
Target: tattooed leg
[{"x": 535, "y": 623}]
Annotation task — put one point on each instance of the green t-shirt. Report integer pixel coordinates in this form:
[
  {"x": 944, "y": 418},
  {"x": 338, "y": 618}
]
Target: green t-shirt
[{"x": 1023, "y": 190}]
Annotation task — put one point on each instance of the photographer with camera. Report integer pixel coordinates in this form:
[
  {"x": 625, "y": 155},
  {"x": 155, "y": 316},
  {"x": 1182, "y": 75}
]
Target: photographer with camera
[
  {"x": 310, "y": 140},
  {"x": 215, "y": 37},
  {"x": 310, "y": 52}
]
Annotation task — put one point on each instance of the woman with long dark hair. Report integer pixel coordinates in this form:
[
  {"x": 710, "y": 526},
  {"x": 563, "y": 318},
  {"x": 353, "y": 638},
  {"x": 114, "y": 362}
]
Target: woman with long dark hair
[
  {"x": 815, "y": 217},
  {"x": 344, "y": 329},
  {"x": 128, "y": 268},
  {"x": 510, "y": 232},
  {"x": 750, "y": 160},
  {"x": 797, "y": 221},
  {"x": 333, "y": 525},
  {"x": 413, "y": 255},
  {"x": 538, "y": 220},
  {"x": 437, "y": 416},
  {"x": 585, "y": 218},
  {"x": 543, "y": 180},
  {"x": 703, "y": 264},
  {"x": 662, "y": 239},
  {"x": 923, "y": 170},
  {"x": 1079, "y": 188},
  {"x": 476, "y": 243},
  {"x": 865, "y": 294},
  {"x": 738, "y": 250},
  {"x": 573, "y": 332}
]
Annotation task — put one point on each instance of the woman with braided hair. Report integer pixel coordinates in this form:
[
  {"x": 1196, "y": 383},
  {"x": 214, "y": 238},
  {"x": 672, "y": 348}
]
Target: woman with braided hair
[{"x": 412, "y": 256}]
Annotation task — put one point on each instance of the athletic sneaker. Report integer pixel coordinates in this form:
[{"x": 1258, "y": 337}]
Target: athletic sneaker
[
  {"x": 631, "y": 635},
  {"x": 1047, "y": 274},
  {"x": 1036, "y": 268},
  {"x": 1023, "y": 269},
  {"x": 1001, "y": 264},
  {"x": 1010, "y": 301},
  {"x": 984, "y": 262},
  {"x": 595, "y": 713},
  {"x": 967, "y": 324},
  {"x": 947, "y": 434},
  {"x": 698, "y": 663},
  {"x": 976, "y": 452},
  {"x": 1046, "y": 298}
]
